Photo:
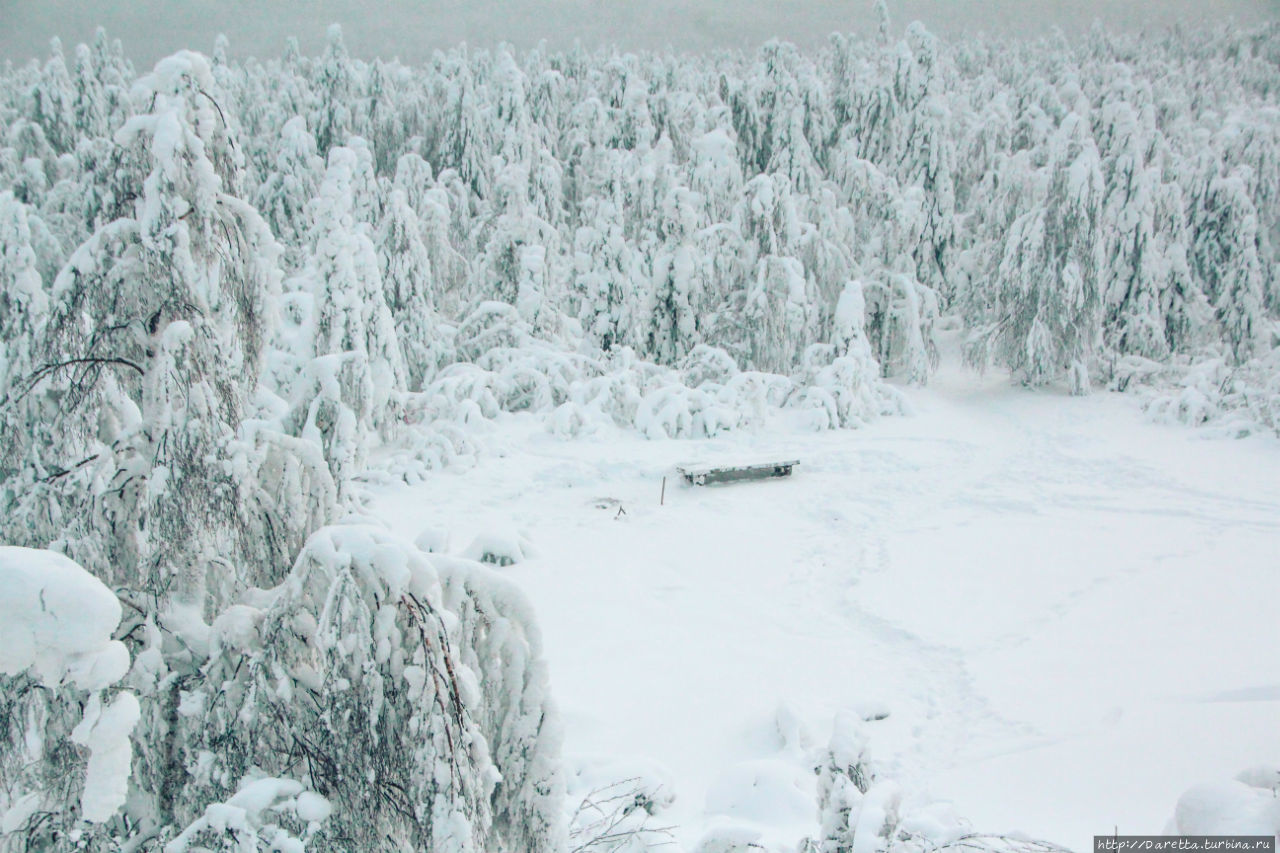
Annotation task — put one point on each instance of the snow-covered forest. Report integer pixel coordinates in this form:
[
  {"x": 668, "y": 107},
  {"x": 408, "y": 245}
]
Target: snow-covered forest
[{"x": 233, "y": 294}]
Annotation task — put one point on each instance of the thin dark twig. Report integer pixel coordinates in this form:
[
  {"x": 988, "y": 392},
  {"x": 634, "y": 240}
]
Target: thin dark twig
[
  {"x": 217, "y": 107},
  {"x": 64, "y": 472},
  {"x": 48, "y": 369}
]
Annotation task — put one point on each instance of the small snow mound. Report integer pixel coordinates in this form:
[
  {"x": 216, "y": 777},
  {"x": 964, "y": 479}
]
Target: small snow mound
[
  {"x": 878, "y": 813},
  {"x": 1227, "y": 808},
  {"x": 499, "y": 549},
  {"x": 793, "y": 734},
  {"x": 236, "y": 628},
  {"x": 938, "y": 823},
  {"x": 312, "y": 807},
  {"x": 186, "y": 623},
  {"x": 848, "y": 747},
  {"x": 433, "y": 540},
  {"x": 872, "y": 710},
  {"x": 732, "y": 838},
  {"x": 770, "y": 792},
  {"x": 1264, "y": 776},
  {"x": 572, "y": 419}
]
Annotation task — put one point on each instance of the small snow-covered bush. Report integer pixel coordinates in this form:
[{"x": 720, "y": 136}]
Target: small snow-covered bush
[
  {"x": 840, "y": 382},
  {"x": 1226, "y": 399},
  {"x": 339, "y": 413},
  {"x": 1246, "y": 805},
  {"x": 862, "y": 813},
  {"x": 707, "y": 394},
  {"x": 463, "y": 392},
  {"x": 844, "y": 778},
  {"x": 845, "y": 392},
  {"x": 499, "y": 548},
  {"x": 676, "y": 411},
  {"x": 707, "y": 364},
  {"x": 491, "y": 325}
]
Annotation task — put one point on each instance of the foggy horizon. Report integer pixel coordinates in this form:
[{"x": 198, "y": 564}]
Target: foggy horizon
[{"x": 410, "y": 31}]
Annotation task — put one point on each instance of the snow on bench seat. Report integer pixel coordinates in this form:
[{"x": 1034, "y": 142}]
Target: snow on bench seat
[{"x": 701, "y": 475}]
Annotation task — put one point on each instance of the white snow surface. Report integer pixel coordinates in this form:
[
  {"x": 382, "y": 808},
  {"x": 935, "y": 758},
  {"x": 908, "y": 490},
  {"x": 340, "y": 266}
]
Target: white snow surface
[
  {"x": 1226, "y": 808},
  {"x": 105, "y": 731},
  {"x": 1067, "y": 612},
  {"x": 56, "y": 619}
]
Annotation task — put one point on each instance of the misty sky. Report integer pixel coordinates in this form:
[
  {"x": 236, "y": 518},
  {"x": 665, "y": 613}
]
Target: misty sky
[{"x": 411, "y": 29}]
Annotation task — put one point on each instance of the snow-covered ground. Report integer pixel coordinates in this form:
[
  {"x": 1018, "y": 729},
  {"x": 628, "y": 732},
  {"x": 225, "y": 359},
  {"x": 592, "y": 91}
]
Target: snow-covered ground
[{"x": 1068, "y": 613}]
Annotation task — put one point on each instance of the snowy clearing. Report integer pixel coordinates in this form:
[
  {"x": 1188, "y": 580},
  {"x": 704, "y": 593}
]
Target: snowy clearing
[{"x": 1066, "y": 611}]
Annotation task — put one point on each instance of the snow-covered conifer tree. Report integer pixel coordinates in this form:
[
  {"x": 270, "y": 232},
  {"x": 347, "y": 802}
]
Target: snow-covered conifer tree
[
  {"x": 605, "y": 277},
  {"x": 1047, "y": 298},
  {"x": 335, "y": 84},
  {"x": 433, "y": 206},
  {"x": 89, "y": 107},
  {"x": 1132, "y": 295},
  {"x": 1224, "y": 257},
  {"x": 358, "y": 368},
  {"x": 716, "y": 175},
  {"x": 676, "y": 291},
  {"x": 520, "y": 253},
  {"x": 52, "y": 101},
  {"x": 284, "y": 195},
  {"x": 24, "y": 304},
  {"x": 466, "y": 140},
  {"x": 410, "y": 287},
  {"x": 776, "y": 314}
]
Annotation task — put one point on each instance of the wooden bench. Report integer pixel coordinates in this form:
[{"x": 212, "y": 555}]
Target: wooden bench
[{"x": 702, "y": 475}]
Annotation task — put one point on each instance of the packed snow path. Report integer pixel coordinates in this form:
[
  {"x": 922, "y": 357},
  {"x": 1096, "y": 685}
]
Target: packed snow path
[{"x": 1068, "y": 613}]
